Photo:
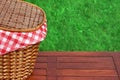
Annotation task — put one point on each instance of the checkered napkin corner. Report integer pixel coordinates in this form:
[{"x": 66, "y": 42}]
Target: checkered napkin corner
[{"x": 11, "y": 41}]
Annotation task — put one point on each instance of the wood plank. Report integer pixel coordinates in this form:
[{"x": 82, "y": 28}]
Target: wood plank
[
  {"x": 71, "y": 72},
  {"x": 41, "y": 65},
  {"x": 51, "y": 78},
  {"x": 42, "y": 59},
  {"x": 85, "y": 59},
  {"x": 37, "y": 78},
  {"x": 51, "y": 69},
  {"x": 86, "y": 66},
  {"x": 88, "y": 78},
  {"x": 39, "y": 72}
]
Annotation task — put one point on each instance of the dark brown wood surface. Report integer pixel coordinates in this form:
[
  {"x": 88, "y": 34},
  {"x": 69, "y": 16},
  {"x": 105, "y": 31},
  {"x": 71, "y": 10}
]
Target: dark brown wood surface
[{"x": 77, "y": 66}]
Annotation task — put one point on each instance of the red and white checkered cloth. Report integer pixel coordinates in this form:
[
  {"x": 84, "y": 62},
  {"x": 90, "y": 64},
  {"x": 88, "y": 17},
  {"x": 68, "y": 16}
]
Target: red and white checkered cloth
[{"x": 10, "y": 41}]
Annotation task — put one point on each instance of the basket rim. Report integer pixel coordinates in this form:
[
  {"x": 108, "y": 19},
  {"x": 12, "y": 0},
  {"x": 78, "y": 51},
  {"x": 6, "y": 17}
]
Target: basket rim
[{"x": 31, "y": 29}]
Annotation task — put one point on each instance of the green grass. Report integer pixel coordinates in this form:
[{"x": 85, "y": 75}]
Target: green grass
[{"x": 81, "y": 25}]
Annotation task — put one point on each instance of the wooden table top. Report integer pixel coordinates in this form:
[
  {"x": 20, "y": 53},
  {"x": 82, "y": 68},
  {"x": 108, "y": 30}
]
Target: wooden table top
[{"x": 77, "y": 66}]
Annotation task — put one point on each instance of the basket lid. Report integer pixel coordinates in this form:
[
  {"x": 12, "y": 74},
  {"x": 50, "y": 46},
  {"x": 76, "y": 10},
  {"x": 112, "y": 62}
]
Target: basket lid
[{"x": 20, "y": 16}]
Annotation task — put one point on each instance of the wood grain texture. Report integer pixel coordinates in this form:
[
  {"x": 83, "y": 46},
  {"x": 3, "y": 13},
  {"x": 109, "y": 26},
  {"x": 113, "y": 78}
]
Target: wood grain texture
[
  {"x": 88, "y": 78},
  {"x": 77, "y": 66}
]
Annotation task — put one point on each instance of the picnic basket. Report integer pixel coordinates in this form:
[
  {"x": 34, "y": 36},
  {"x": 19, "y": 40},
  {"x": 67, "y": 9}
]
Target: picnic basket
[{"x": 20, "y": 17}]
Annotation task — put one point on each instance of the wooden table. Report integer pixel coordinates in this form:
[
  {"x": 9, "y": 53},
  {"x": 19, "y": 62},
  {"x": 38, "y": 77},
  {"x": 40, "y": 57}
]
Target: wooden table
[{"x": 77, "y": 66}]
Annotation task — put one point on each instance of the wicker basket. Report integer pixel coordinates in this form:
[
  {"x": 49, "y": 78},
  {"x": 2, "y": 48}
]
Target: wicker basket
[{"x": 19, "y": 64}]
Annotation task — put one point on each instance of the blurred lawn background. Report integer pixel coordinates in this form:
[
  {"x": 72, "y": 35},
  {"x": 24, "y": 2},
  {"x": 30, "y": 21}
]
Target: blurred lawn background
[{"x": 81, "y": 25}]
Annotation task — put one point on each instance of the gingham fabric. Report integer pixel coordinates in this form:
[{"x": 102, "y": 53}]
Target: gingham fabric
[{"x": 11, "y": 41}]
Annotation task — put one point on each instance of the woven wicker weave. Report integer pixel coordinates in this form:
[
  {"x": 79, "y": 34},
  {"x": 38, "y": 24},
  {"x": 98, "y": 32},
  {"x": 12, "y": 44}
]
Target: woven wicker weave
[
  {"x": 19, "y": 16},
  {"x": 19, "y": 64}
]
